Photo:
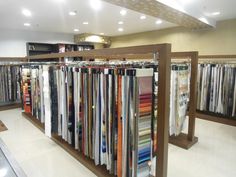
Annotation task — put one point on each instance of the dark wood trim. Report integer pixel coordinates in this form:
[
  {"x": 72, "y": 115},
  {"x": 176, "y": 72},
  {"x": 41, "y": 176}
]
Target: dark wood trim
[
  {"x": 104, "y": 53},
  {"x": 193, "y": 96},
  {"x": 10, "y": 106},
  {"x": 163, "y": 111},
  {"x": 183, "y": 141},
  {"x": 13, "y": 59},
  {"x": 217, "y": 119},
  {"x": 34, "y": 121},
  {"x": 216, "y": 56}
]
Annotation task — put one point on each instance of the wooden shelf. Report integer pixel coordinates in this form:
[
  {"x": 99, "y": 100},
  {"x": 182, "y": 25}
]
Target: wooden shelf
[
  {"x": 182, "y": 141},
  {"x": 10, "y": 106},
  {"x": 215, "y": 118}
]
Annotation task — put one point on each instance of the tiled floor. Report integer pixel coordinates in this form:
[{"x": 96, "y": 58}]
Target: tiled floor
[
  {"x": 213, "y": 156},
  {"x": 5, "y": 168}
]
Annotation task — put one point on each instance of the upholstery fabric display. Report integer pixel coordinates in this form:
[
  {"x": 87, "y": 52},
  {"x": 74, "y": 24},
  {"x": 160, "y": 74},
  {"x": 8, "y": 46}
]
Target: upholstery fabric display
[
  {"x": 106, "y": 111},
  {"x": 179, "y": 98},
  {"x": 10, "y": 84},
  {"x": 217, "y": 89},
  {"x": 26, "y": 89},
  {"x": 35, "y": 92}
]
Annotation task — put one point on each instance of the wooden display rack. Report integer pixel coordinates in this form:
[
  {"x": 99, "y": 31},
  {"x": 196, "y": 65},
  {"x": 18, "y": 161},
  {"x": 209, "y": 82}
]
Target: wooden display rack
[
  {"x": 209, "y": 116},
  {"x": 186, "y": 141},
  {"x": 160, "y": 52},
  {"x": 13, "y": 105}
]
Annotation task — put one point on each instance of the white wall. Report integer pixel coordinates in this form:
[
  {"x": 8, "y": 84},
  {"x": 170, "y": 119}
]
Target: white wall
[{"x": 13, "y": 42}]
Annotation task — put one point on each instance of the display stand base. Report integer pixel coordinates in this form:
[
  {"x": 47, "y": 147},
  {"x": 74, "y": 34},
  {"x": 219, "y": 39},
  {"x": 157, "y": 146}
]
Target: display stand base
[
  {"x": 98, "y": 170},
  {"x": 182, "y": 141},
  {"x": 214, "y": 118},
  {"x": 34, "y": 121},
  {"x": 10, "y": 106}
]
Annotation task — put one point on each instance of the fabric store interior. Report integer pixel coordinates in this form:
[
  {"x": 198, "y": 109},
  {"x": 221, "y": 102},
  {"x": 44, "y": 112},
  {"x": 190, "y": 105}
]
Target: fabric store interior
[{"x": 126, "y": 88}]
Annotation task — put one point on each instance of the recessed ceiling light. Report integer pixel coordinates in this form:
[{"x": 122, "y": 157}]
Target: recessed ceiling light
[
  {"x": 96, "y": 4},
  {"x": 76, "y": 30},
  {"x": 60, "y": 1},
  {"x": 142, "y": 17},
  {"x": 120, "y": 29},
  {"x": 101, "y": 33},
  {"x": 159, "y": 22},
  {"x": 26, "y": 13},
  {"x": 72, "y": 13},
  {"x": 85, "y": 23},
  {"x": 120, "y": 22},
  {"x": 27, "y": 24},
  {"x": 215, "y": 13},
  {"x": 123, "y": 12}
]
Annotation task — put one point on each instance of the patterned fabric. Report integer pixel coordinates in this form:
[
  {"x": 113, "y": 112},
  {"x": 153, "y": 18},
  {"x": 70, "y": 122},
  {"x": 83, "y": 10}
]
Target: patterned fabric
[
  {"x": 217, "y": 89},
  {"x": 10, "y": 84},
  {"x": 106, "y": 112},
  {"x": 179, "y": 98}
]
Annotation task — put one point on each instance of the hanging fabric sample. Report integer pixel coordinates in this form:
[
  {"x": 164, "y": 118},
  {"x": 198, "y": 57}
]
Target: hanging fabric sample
[
  {"x": 26, "y": 89},
  {"x": 216, "y": 89},
  {"x": 137, "y": 85},
  {"x": 9, "y": 84},
  {"x": 179, "y": 98}
]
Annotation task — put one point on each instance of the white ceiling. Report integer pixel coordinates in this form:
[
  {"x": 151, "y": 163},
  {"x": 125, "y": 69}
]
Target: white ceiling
[
  {"x": 205, "y": 8},
  {"x": 52, "y": 15}
]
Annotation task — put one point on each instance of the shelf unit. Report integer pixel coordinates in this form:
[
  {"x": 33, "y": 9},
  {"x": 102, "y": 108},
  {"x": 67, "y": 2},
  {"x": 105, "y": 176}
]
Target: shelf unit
[
  {"x": 34, "y": 48},
  {"x": 38, "y": 48}
]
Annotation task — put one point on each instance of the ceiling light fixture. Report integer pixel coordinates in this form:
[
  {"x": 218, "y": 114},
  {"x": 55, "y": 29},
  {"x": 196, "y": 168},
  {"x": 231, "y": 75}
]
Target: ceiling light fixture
[
  {"x": 26, "y": 13},
  {"x": 120, "y": 22},
  {"x": 142, "y": 17},
  {"x": 101, "y": 33},
  {"x": 60, "y": 1},
  {"x": 159, "y": 22},
  {"x": 72, "y": 13},
  {"x": 215, "y": 13},
  {"x": 96, "y": 4},
  {"x": 85, "y": 23},
  {"x": 123, "y": 12},
  {"x": 27, "y": 24},
  {"x": 120, "y": 29},
  {"x": 3, "y": 171},
  {"x": 76, "y": 30}
]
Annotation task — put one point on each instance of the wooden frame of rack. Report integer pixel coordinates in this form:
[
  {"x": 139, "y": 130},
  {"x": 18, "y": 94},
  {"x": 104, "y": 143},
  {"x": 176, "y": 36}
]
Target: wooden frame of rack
[
  {"x": 186, "y": 141},
  {"x": 209, "y": 116},
  {"x": 161, "y": 52},
  {"x": 11, "y": 105}
]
